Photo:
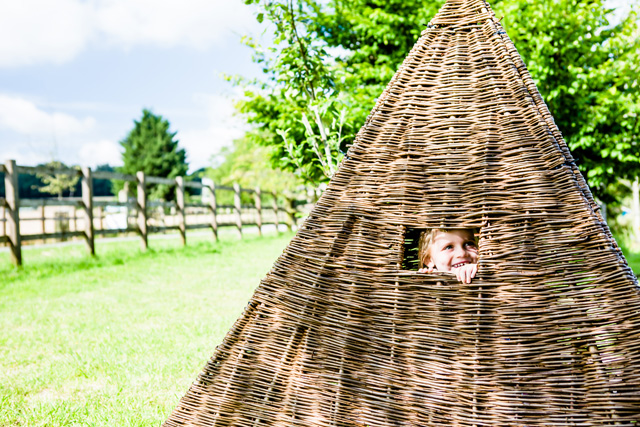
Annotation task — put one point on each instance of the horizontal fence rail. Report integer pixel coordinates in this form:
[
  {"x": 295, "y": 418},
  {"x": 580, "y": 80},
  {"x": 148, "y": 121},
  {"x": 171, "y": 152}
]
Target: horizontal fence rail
[{"x": 88, "y": 216}]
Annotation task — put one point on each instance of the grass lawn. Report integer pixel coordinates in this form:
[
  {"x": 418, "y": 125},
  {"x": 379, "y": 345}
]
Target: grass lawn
[
  {"x": 117, "y": 340},
  {"x": 633, "y": 258}
]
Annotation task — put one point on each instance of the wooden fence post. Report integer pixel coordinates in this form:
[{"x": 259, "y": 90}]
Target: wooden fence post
[
  {"x": 258, "y": 202},
  {"x": 213, "y": 204},
  {"x": 182, "y": 220},
  {"x": 43, "y": 219},
  {"x": 87, "y": 201},
  {"x": 275, "y": 210},
  {"x": 291, "y": 217},
  {"x": 142, "y": 209},
  {"x": 12, "y": 198},
  {"x": 238, "y": 205}
]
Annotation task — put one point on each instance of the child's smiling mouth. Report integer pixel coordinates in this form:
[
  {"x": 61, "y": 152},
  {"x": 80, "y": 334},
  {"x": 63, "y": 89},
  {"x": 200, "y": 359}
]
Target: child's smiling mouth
[{"x": 460, "y": 264}]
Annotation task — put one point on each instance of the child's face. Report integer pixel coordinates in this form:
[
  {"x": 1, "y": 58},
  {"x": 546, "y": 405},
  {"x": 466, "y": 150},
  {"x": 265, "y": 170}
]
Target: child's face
[{"x": 452, "y": 249}]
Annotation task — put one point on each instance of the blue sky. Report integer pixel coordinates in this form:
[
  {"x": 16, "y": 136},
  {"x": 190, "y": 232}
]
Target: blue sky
[{"x": 74, "y": 74}]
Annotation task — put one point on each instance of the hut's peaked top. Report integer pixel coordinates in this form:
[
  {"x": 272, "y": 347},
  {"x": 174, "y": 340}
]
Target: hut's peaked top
[
  {"x": 463, "y": 12},
  {"x": 344, "y": 332}
]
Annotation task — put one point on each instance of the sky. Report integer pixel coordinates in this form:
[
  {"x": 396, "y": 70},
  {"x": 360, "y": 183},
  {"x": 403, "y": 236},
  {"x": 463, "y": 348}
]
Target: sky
[{"x": 75, "y": 74}]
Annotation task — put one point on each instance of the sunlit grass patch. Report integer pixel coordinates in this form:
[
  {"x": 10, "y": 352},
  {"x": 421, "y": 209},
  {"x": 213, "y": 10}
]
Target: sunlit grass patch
[{"x": 117, "y": 340}]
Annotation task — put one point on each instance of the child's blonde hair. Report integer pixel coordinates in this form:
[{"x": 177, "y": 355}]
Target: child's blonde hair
[
  {"x": 424, "y": 246},
  {"x": 426, "y": 240}
]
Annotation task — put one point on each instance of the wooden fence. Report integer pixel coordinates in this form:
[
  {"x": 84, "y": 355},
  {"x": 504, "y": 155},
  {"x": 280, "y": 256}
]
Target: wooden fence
[{"x": 266, "y": 208}]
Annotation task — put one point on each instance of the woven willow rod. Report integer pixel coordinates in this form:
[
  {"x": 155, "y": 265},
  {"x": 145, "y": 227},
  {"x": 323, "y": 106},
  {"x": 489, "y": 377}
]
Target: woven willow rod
[{"x": 342, "y": 333}]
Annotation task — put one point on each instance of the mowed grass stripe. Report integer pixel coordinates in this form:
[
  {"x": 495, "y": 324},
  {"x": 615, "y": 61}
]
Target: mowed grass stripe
[{"x": 118, "y": 339}]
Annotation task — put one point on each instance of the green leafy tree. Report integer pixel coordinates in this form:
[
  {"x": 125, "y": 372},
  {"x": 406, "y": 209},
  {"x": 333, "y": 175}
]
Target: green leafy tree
[
  {"x": 308, "y": 129},
  {"x": 587, "y": 72},
  {"x": 103, "y": 187},
  {"x": 247, "y": 164},
  {"x": 28, "y": 185},
  {"x": 348, "y": 50},
  {"x": 150, "y": 147},
  {"x": 58, "y": 181},
  {"x": 313, "y": 100}
]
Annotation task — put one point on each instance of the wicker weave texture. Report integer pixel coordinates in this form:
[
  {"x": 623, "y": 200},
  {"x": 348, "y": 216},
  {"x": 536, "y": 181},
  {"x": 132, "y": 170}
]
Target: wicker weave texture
[{"x": 339, "y": 333}]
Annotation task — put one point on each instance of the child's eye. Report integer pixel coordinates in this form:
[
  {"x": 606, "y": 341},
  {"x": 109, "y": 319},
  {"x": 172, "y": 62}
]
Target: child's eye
[
  {"x": 470, "y": 245},
  {"x": 448, "y": 247}
]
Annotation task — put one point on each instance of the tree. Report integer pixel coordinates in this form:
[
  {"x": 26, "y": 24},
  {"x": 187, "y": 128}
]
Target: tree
[
  {"x": 587, "y": 72},
  {"x": 247, "y": 164},
  {"x": 29, "y": 186},
  {"x": 347, "y": 50},
  {"x": 58, "y": 181},
  {"x": 312, "y": 102},
  {"x": 298, "y": 73},
  {"x": 151, "y": 148},
  {"x": 103, "y": 187}
]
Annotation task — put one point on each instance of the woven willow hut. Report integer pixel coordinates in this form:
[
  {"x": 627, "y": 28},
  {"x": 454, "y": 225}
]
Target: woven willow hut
[{"x": 344, "y": 332}]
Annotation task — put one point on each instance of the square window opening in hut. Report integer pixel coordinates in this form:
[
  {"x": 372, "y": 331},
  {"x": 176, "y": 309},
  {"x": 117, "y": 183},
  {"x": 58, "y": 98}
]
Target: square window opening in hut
[
  {"x": 411, "y": 252},
  {"x": 411, "y": 260}
]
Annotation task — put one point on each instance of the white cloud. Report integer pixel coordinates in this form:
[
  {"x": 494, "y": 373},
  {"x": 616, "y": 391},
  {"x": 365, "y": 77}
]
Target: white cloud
[
  {"x": 22, "y": 116},
  {"x": 33, "y": 31},
  {"x": 201, "y": 144},
  {"x": 99, "y": 152},
  {"x": 22, "y": 155},
  {"x": 74, "y": 150},
  {"x": 195, "y": 23},
  {"x": 42, "y": 31},
  {"x": 31, "y": 135}
]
